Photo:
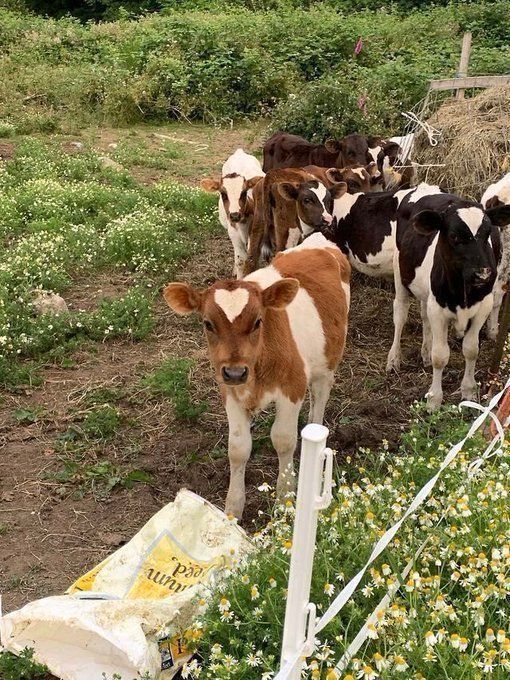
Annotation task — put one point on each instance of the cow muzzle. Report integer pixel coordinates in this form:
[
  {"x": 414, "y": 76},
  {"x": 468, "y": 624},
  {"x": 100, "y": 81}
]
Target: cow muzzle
[
  {"x": 483, "y": 276},
  {"x": 234, "y": 375},
  {"x": 327, "y": 219},
  {"x": 235, "y": 217}
]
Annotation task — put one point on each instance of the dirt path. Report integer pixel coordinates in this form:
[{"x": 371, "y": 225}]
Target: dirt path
[{"x": 51, "y": 531}]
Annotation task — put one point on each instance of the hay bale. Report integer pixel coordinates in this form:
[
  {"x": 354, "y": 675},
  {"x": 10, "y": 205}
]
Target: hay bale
[{"x": 474, "y": 144}]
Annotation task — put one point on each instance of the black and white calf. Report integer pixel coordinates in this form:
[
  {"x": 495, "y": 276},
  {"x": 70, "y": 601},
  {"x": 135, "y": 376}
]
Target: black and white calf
[
  {"x": 365, "y": 227},
  {"x": 499, "y": 194},
  {"x": 447, "y": 250}
]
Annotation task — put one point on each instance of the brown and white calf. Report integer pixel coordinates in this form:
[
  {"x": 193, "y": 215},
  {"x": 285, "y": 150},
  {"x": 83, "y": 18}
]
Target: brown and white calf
[
  {"x": 240, "y": 173},
  {"x": 495, "y": 195},
  {"x": 289, "y": 203},
  {"x": 271, "y": 336}
]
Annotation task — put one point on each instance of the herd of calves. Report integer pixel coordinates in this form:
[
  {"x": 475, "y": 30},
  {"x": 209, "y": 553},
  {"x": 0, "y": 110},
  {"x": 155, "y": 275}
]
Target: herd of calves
[{"x": 314, "y": 211}]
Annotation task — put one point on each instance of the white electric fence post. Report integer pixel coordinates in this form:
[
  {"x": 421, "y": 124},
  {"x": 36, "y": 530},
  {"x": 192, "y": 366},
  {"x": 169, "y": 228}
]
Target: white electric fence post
[{"x": 313, "y": 494}]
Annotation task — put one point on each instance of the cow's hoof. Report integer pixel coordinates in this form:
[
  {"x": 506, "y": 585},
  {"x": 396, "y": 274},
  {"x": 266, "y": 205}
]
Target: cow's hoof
[
  {"x": 234, "y": 509},
  {"x": 469, "y": 392},
  {"x": 393, "y": 363},
  {"x": 433, "y": 401}
]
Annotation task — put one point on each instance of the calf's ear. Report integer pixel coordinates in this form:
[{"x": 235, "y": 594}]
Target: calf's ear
[
  {"x": 338, "y": 190},
  {"x": 280, "y": 294},
  {"x": 374, "y": 141},
  {"x": 499, "y": 215},
  {"x": 334, "y": 175},
  {"x": 288, "y": 190},
  {"x": 373, "y": 170},
  {"x": 427, "y": 222},
  {"x": 250, "y": 183},
  {"x": 210, "y": 184},
  {"x": 391, "y": 149},
  {"x": 182, "y": 298}
]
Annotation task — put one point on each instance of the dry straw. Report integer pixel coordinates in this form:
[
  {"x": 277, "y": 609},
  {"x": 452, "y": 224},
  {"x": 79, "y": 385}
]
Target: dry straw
[{"x": 474, "y": 145}]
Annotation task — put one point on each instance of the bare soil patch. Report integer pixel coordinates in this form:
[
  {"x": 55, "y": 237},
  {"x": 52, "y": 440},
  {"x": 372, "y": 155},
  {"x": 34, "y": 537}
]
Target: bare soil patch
[{"x": 49, "y": 534}]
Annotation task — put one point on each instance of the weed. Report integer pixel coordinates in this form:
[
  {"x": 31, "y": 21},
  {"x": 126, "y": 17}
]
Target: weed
[
  {"x": 99, "y": 477},
  {"x": 27, "y": 415},
  {"x": 4, "y": 528},
  {"x": 22, "y": 667},
  {"x": 102, "y": 422},
  {"x": 172, "y": 380}
]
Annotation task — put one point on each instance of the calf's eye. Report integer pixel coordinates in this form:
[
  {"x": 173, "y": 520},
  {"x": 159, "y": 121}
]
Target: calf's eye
[
  {"x": 257, "y": 324},
  {"x": 208, "y": 326}
]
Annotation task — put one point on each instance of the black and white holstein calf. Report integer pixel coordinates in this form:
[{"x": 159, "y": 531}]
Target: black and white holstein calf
[
  {"x": 447, "y": 250},
  {"x": 365, "y": 227}
]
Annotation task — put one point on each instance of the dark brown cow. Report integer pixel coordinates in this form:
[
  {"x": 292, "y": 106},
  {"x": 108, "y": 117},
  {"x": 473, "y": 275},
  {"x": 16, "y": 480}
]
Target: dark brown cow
[
  {"x": 283, "y": 150},
  {"x": 288, "y": 203}
]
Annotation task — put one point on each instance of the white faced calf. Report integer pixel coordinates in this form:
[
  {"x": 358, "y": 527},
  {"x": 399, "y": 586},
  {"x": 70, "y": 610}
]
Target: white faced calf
[
  {"x": 240, "y": 173},
  {"x": 447, "y": 250},
  {"x": 270, "y": 336}
]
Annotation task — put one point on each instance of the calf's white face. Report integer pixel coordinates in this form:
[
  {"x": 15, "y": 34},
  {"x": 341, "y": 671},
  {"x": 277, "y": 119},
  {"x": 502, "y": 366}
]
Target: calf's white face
[{"x": 233, "y": 190}]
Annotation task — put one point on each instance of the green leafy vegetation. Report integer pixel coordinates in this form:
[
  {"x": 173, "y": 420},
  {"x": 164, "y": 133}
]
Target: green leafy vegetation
[
  {"x": 98, "y": 477},
  {"x": 21, "y": 667},
  {"x": 65, "y": 216},
  {"x": 242, "y": 59},
  {"x": 450, "y": 617},
  {"x": 172, "y": 380}
]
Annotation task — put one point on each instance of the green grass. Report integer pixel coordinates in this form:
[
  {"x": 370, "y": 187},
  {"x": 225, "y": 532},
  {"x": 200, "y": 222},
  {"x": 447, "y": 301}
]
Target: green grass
[
  {"x": 22, "y": 667},
  {"x": 64, "y": 217},
  {"x": 172, "y": 380},
  {"x": 131, "y": 153}
]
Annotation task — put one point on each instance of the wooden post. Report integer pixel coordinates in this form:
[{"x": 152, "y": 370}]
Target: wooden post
[{"x": 464, "y": 61}]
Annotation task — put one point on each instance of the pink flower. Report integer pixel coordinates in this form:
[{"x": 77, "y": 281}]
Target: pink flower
[{"x": 359, "y": 46}]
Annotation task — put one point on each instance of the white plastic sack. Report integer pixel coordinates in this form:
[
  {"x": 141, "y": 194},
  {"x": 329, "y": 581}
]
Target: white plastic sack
[{"x": 148, "y": 594}]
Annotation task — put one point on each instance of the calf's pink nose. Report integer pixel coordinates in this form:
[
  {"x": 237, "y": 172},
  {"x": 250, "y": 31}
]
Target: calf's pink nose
[{"x": 327, "y": 218}]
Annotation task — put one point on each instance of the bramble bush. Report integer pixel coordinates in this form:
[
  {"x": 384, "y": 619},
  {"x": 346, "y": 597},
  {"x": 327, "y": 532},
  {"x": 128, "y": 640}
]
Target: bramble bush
[
  {"x": 241, "y": 59},
  {"x": 65, "y": 216},
  {"x": 449, "y": 619}
]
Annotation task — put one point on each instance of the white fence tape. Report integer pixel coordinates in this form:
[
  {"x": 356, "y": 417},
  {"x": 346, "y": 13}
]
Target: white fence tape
[
  {"x": 292, "y": 662},
  {"x": 473, "y": 468},
  {"x": 345, "y": 594}
]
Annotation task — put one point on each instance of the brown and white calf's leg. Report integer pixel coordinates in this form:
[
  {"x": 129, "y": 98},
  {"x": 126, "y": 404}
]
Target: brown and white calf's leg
[
  {"x": 400, "y": 311},
  {"x": 470, "y": 347},
  {"x": 320, "y": 388},
  {"x": 240, "y": 254},
  {"x": 239, "y": 450},
  {"x": 439, "y": 322},
  {"x": 284, "y": 438}
]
